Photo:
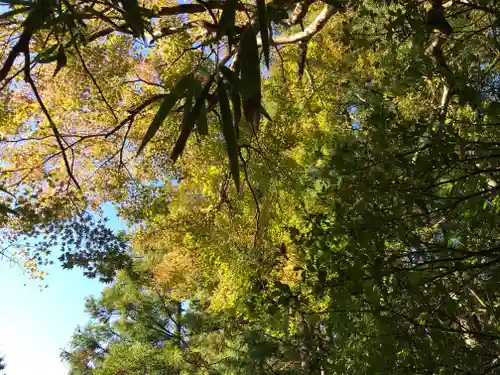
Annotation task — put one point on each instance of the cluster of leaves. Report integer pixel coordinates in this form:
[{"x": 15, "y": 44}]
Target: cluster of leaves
[
  {"x": 359, "y": 233},
  {"x": 80, "y": 241},
  {"x": 41, "y": 32}
]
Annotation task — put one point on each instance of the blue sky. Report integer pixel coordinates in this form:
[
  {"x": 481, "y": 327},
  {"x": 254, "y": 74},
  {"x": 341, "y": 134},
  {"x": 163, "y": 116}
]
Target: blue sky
[{"x": 34, "y": 324}]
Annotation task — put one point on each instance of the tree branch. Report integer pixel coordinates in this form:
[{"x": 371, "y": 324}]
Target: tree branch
[
  {"x": 314, "y": 27},
  {"x": 29, "y": 80},
  {"x": 175, "y": 10},
  {"x": 84, "y": 65},
  {"x": 196, "y": 8},
  {"x": 299, "y": 12}
]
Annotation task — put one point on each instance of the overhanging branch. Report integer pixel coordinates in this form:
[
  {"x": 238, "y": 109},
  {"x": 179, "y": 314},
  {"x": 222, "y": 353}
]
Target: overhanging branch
[
  {"x": 192, "y": 8},
  {"x": 303, "y": 36},
  {"x": 314, "y": 27}
]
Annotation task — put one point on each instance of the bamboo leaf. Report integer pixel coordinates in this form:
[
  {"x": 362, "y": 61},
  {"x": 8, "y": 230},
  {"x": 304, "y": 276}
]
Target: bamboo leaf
[
  {"x": 199, "y": 112},
  {"x": 227, "y": 21},
  {"x": 133, "y": 17},
  {"x": 236, "y": 102},
  {"x": 165, "y": 108},
  {"x": 62, "y": 60},
  {"x": 48, "y": 55},
  {"x": 250, "y": 78},
  {"x": 187, "y": 123},
  {"x": 188, "y": 103},
  {"x": 235, "y": 82},
  {"x": 264, "y": 29},
  {"x": 229, "y": 134},
  {"x": 265, "y": 113},
  {"x": 202, "y": 120}
]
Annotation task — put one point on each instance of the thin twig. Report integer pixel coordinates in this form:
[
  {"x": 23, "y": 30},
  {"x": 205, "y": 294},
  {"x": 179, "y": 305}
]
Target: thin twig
[
  {"x": 256, "y": 200},
  {"x": 53, "y": 126},
  {"x": 94, "y": 81},
  {"x": 134, "y": 112}
]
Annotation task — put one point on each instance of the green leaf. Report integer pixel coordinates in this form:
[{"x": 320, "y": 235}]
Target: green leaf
[
  {"x": 233, "y": 80},
  {"x": 282, "y": 287},
  {"x": 165, "y": 108},
  {"x": 272, "y": 309},
  {"x": 227, "y": 21},
  {"x": 322, "y": 276},
  {"x": 284, "y": 300},
  {"x": 264, "y": 30},
  {"x": 250, "y": 78},
  {"x": 133, "y": 17},
  {"x": 311, "y": 267},
  {"x": 187, "y": 123},
  {"x": 229, "y": 134},
  {"x": 265, "y": 113},
  {"x": 236, "y": 102},
  {"x": 47, "y": 55},
  {"x": 62, "y": 60},
  {"x": 199, "y": 112}
]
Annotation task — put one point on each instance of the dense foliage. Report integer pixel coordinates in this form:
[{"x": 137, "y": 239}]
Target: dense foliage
[{"x": 336, "y": 213}]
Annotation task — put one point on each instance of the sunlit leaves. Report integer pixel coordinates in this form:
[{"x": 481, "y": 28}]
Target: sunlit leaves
[
  {"x": 14, "y": 12},
  {"x": 364, "y": 229}
]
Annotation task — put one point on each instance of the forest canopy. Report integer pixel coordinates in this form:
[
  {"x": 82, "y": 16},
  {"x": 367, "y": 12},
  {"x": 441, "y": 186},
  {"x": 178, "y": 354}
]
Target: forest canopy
[{"x": 310, "y": 186}]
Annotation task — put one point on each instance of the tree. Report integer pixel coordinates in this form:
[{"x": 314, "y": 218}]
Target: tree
[
  {"x": 136, "y": 328},
  {"x": 75, "y": 35},
  {"x": 65, "y": 32},
  {"x": 353, "y": 230},
  {"x": 365, "y": 239},
  {"x": 69, "y": 147}
]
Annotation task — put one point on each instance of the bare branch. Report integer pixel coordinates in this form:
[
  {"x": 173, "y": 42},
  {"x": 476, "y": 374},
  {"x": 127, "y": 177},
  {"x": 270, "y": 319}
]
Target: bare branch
[
  {"x": 299, "y": 12},
  {"x": 314, "y": 27},
  {"x": 21, "y": 46},
  {"x": 196, "y": 8},
  {"x": 99, "y": 34}
]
